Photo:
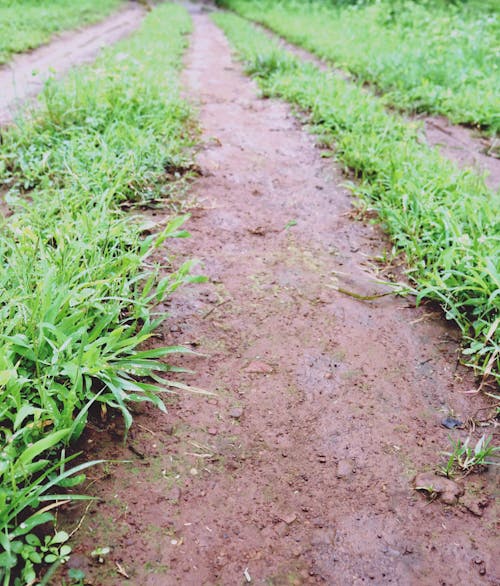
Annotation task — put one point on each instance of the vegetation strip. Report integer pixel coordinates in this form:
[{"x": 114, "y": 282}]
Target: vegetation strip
[
  {"x": 78, "y": 281},
  {"x": 426, "y": 57},
  {"x": 27, "y": 24},
  {"x": 443, "y": 219}
]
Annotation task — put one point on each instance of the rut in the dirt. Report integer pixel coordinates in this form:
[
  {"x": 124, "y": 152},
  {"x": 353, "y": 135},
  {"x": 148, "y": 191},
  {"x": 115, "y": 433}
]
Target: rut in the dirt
[
  {"x": 25, "y": 75},
  {"x": 299, "y": 470}
]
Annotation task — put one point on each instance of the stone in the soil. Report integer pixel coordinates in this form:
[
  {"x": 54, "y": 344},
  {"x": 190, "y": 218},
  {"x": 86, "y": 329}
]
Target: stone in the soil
[
  {"x": 78, "y": 561},
  {"x": 258, "y": 367},
  {"x": 174, "y": 495},
  {"x": 448, "y": 491},
  {"x": 451, "y": 423},
  {"x": 474, "y": 504},
  {"x": 288, "y": 517},
  {"x": 236, "y": 412},
  {"x": 323, "y": 537},
  {"x": 345, "y": 468}
]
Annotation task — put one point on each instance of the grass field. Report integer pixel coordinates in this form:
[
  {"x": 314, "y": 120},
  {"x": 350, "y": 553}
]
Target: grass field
[
  {"x": 439, "y": 57},
  {"x": 26, "y": 24},
  {"x": 78, "y": 281},
  {"x": 444, "y": 220}
]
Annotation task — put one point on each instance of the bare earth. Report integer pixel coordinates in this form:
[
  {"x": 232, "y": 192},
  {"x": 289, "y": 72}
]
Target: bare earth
[
  {"x": 25, "y": 75},
  {"x": 299, "y": 469}
]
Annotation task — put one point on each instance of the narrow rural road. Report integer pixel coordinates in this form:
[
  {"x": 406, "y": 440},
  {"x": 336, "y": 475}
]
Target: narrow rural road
[
  {"x": 25, "y": 75},
  {"x": 299, "y": 469}
]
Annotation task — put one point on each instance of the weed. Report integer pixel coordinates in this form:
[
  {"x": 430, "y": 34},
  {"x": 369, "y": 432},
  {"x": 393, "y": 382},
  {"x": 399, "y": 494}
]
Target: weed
[{"x": 465, "y": 458}]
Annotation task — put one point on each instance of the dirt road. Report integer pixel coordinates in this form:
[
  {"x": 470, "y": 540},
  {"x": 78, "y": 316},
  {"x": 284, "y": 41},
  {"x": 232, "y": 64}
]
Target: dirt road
[
  {"x": 25, "y": 75},
  {"x": 298, "y": 470}
]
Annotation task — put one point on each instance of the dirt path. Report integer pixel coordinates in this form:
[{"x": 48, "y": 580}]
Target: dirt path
[
  {"x": 299, "y": 470},
  {"x": 460, "y": 144},
  {"x": 25, "y": 75}
]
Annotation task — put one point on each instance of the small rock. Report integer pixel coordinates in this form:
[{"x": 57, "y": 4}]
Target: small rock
[
  {"x": 323, "y": 537},
  {"x": 174, "y": 495},
  {"x": 451, "y": 423},
  {"x": 257, "y": 231},
  {"x": 448, "y": 491},
  {"x": 236, "y": 413},
  {"x": 212, "y": 431},
  {"x": 288, "y": 518},
  {"x": 257, "y": 367},
  {"x": 78, "y": 561},
  {"x": 481, "y": 566},
  {"x": 324, "y": 298},
  {"x": 231, "y": 464},
  {"x": 344, "y": 469},
  {"x": 473, "y": 504}
]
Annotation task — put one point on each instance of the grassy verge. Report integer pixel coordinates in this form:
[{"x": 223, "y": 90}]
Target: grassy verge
[
  {"x": 443, "y": 219},
  {"x": 427, "y": 57},
  {"x": 77, "y": 277},
  {"x": 26, "y": 24}
]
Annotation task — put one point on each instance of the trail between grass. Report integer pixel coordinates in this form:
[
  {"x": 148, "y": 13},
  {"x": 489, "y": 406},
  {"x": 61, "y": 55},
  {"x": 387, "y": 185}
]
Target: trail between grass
[
  {"x": 298, "y": 470},
  {"x": 25, "y": 75},
  {"x": 460, "y": 144}
]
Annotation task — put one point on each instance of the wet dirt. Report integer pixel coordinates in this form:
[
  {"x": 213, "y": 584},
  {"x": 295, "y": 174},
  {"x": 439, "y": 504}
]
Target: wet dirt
[
  {"x": 299, "y": 468},
  {"x": 26, "y": 73},
  {"x": 463, "y": 145}
]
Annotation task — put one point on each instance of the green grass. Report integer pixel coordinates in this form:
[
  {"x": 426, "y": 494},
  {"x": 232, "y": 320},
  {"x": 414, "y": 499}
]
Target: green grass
[
  {"x": 79, "y": 279},
  {"x": 26, "y": 24},
  {"x": 432, "y": 57},
  {"x": 443, "y": 219}
]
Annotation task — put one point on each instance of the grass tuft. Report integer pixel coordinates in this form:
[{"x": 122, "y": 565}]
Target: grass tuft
[{"x": 78, "y": 279}]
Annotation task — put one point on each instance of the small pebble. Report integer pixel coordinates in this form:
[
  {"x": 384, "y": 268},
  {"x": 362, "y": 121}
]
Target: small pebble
[
  {"x": 451, "y": 423},
  {"x": 236, "y": 413}
]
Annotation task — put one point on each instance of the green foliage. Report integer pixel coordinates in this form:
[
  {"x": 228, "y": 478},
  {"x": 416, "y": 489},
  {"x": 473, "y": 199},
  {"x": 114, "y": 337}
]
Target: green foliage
[
  {"x": 78, "y": 278},
  {"x": 26, "y": 24},
  {"x": 425, "y": 56},
  {"x": 465, "y": 458},
  {"x": 444, "y": 219}
]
